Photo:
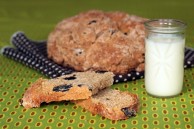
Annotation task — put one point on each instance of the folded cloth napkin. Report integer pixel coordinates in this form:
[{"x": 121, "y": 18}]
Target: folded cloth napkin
[{"x": 33, "y": 54}]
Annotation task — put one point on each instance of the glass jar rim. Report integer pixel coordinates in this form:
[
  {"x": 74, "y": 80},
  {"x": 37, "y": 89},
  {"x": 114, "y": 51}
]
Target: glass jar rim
[{"x": 165, "y": 25}]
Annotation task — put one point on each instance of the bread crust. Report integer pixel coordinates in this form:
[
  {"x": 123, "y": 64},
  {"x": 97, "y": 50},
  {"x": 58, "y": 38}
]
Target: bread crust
[{"x": 100, "y": 41}]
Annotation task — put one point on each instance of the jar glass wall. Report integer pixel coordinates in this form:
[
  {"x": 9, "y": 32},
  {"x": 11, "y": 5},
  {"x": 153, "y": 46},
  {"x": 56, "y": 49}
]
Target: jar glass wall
[{"x": 164, "y": 57}]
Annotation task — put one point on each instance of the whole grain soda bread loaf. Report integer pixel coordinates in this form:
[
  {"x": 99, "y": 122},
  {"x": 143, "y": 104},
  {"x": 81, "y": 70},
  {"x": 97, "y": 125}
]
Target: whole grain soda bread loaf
[
  {"x": 75, "y": 86},
  {"x": 112, "y": 104},
  {"x": 99, "y": 41}
]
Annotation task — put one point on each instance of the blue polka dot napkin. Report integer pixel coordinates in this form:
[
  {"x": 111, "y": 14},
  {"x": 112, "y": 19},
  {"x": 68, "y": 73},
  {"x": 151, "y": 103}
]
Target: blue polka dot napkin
[{"x": 33, "y": 54}]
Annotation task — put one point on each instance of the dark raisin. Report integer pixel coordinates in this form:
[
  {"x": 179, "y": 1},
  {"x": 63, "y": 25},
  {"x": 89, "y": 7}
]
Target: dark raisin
[
  {"x": 101, "y": 71},
  {"x": 128, "y": 112},
  {"x": 143, "y": 54},
  {"x": 91, "y": 22},
  {"x": 70, "y": 78},
  {"x": 112, "y": 31},
  {"x": 80, "y": 85},
  {"x": 90, "y": 88},
  {"x": 125, "y": 33},
  {"x": 62, "y": 88},
  {"x": 107, "y": 99},
  {"x": 80, "y": 53}
]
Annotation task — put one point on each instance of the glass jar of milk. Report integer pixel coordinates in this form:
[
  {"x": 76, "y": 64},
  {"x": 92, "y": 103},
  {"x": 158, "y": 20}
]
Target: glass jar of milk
[{"x": 164, "y": 57}]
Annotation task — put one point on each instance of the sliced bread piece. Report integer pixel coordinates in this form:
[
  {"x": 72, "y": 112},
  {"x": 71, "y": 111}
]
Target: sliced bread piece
[
  {"x": 75, "y": 86},
  {"x": 112, "y": 104}
]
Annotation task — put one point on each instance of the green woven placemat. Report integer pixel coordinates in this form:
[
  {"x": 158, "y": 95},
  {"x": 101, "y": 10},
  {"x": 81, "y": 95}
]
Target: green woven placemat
[{"x": 37, "y": 19}]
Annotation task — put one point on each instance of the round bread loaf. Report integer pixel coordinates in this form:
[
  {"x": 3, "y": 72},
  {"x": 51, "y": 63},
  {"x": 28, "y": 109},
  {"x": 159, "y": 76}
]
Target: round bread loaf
[{"x": 99, "y": 41}]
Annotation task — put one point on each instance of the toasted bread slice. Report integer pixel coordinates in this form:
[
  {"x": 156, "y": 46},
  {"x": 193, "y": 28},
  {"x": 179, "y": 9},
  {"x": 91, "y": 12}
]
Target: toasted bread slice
[
  {"x": 75, "y": 86},
  {"x": 112, "y": 104}
]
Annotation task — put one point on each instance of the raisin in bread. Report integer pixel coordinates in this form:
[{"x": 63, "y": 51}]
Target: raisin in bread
[
  {"x": 112, "y": 104},
  {"x": 75, "y": 86},
  {"x": 99, "y": 41}
]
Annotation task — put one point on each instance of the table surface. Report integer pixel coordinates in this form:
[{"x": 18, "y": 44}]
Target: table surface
[{"x": 37, "y": 19}]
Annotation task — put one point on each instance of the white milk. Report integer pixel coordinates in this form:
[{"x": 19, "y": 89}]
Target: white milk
[{"x": 164, "y": 64}]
